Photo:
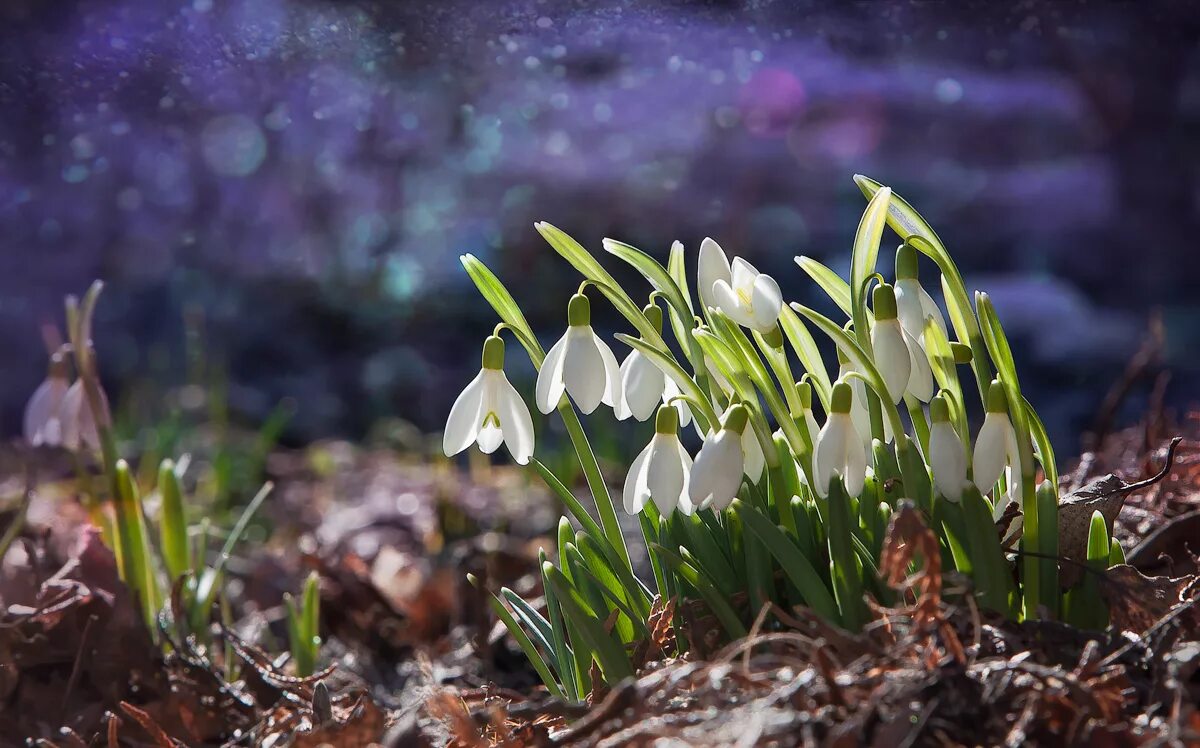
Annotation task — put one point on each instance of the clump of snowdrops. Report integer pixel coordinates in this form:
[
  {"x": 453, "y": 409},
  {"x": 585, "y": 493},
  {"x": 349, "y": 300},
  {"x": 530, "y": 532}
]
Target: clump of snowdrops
[{"x": 788, "y": 497}]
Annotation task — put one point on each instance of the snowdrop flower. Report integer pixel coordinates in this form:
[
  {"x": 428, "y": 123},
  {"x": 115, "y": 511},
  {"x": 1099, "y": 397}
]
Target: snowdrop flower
[
  {"x": 580, "y": 363},
  {"x": 717, "y": 473},
  {"x": 43, "y": 413},
  {"x": 840, "y": 450},
  {"x": 490, "y": 412},
  {"x": 892, "y": 356},
  {"x": 858, "y": 409},
  {"x": 947, "y": 458},
  {"x": 80, "y": 426},
  {"x": 712, "y": 266},
  {"x": 644, "y": 385},
  {"x": 661, "y": 471},
  {"x": 751, "y": 299},
  {"x": 805, "y": 418},
  {"x": 920, "y": 379},
  {"x": 913, "y": 303},
  {"x": 996, "y": 448}
]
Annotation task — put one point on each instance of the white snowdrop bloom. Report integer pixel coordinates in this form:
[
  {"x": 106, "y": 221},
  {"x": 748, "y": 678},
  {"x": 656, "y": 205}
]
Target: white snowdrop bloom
[
  {"x": 920, "y": 378},
  {"x": 913, "y": 303},
  {"x": 996, "y": 442},
  {"x": 80, "y": 426},
  {"x": 947, "y": 458},
  {"x": 661, "y": 471},
  {"x": 751, "y": 299},
  {"x": 891, "y": 353},
  {"x": 839, "y": 450},
  {"x": 711, "y": 267},
  {"x": 580, "y": 363},
  {"x": 644, "y": 386},
  {"x": 859, "y": 413},
  {"x": 43, "y": 412},
  {"x": 719, "y": 467},
  {"x": 489, "y": 412}
]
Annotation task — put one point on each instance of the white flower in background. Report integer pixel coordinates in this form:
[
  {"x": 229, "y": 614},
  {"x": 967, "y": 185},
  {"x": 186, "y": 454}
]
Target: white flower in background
[
  {"x": 661, "y": 471},
  {"x": 859, "y": 413},
  {"x": 489, "y": 412},
  {"x": 920, "y": 379},
  {"x": 644, "y": 386},
  {"x": 891, "y": 353},
  {"x": 711, "y": 267},
  {"x": 719, "y": 467},
  {"x": 751, "y": 299},
  {"x": 947, "y": 458},
  {"x": 78, "y": 421},
  {"x": 991, "y": 443},
  {"x": 839, "y": 450},
  {"x": 913, "y": 302},
  {"x": 43, "y": 413},
  {"x": 580, "y": 363}
]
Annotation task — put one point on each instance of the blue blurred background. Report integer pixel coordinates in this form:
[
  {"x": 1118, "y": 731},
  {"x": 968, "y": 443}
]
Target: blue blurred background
[{"x": 298, "y": 179}]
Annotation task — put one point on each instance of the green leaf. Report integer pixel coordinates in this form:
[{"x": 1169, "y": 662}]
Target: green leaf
[
  {"x": 806, "y": 350},
  {"x": 795, "y": 565},
  {"x": 539, "y": 627},
  {"x": 834, "y": 286},
  {"x": 502, "y": 301},
  {"x": 655, "y": 273},
  {"x": 863, "y": 258},
  {"x": 1045, "y": 449},
  {"x": 715, "y": 600},
  {"x": 609, "y": 654},
  {"x": 531, "y": 652}
]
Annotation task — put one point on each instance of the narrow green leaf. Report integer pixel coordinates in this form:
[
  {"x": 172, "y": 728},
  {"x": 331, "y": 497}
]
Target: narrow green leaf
[
  {"x": 518, "y": 633},
  {"x": 863, "y": 258},
  {"x": 793, "y": 562},
  {"x": 715, "y": 600},
  {"x": 806, "y": 350},
  {"x": 834, "y": 286},
  {"x": 609, "y": 654}
]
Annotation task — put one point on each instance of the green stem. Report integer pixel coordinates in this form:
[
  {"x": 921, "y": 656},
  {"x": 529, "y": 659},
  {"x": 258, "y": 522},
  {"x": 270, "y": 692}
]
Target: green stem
[{"x": 595, "y": 480}]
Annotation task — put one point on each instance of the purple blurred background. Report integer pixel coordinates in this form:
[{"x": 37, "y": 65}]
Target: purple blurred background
[{"x": 304, "y": 175}]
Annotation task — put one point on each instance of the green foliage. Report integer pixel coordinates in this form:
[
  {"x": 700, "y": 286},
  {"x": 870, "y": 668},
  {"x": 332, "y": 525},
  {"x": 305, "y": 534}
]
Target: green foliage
[{"x": 784, "y": 539}]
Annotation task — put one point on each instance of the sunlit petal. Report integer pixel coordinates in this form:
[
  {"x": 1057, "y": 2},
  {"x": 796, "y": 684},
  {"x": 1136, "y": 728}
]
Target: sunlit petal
[
  {"x": 636, "y": 491},
  {"x": 462, "y": 427},
  {"x": 583, "y": 368},
  {"x": 550, "y": 377},
  {"x": 712, "y": 266}
]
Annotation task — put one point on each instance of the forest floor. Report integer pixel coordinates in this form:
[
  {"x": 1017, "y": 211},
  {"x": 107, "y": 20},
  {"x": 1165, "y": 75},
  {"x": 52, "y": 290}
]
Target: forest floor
[{"x": 414, "y": 656}]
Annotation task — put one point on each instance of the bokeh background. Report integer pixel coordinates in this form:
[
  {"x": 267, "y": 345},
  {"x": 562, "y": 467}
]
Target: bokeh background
[{"x": 291, "y": 183}]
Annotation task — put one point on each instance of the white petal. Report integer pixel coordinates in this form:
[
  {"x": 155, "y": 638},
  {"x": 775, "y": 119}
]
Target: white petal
[
  {"x": 891, "y": 357},
  {"x": 829, "y": 458},
  {"x": 42, "y": 423},
  {"x": 665, "y": 472},
  {"x": 753, "y": 458},
  {"x": 929, "y": 308},
  {"x": 767, "y": 301},
  {"x": 947, "y": 460},
  {"x": 642, "y": 384},
  {"x": 550, "y": 377},
  {"x": 462, "y": 427},
  {"x": 990, "y": 451},
  {"x": 613, "y": 393},
  {"x": 908, "y": 306},
  {"x": 670, "y": 391},
  {"x": 855, "y": 467},
  {"x": 583, "y": 368},
  {"x": 636, "y": 489},
  {"x": 685, "y": 461},
  {"x": 811, "y": 425},
  {"x": 728, "y": 301},
  {"x": 490, "y": 438},
  {"x": 515, "y": 421},
  {"x": 716, "y": 375},
  {"x": 712, "y": 266},
  {"x": 920, "y": 378},
  {"x": 744, "y": 275},
  {"x": 717, "y": 472}
]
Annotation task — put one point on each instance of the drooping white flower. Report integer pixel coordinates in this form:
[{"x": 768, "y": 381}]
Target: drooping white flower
[
  {"x": 920, "y": 379},
  {"x": 43, "y": 412},
  {"x": 913, "y": 303},
  {"x": 80, "y": 426},
  {"x": 947, "y": 458},
  {"x": 751, "y": 299},
  {"x": 711, "y": 267},
  {"x": 719, "y": 467},
  {"x": 996, "y": 444},
  {"x": 839, "y": 450},
  {"x": 580, "y": 363},
  {"x": 489, "y": 412},
  {"x": 806, "y": 417},
  {"x": 661, "y": 471},
  {"x": 891, "y": 353},
  {"x": 644, "y": 386}
]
